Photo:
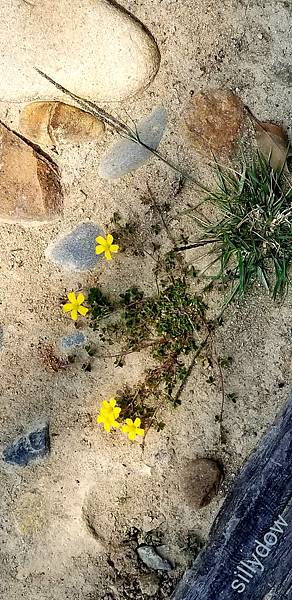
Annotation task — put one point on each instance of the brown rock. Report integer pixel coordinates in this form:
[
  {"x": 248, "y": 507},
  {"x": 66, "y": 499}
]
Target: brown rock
[
  {"x": 202, "y": 478},
  {"x": 53, "y": 123},
  {"x": 214, "y": 120},
  {"x": 30, "y": 188}
]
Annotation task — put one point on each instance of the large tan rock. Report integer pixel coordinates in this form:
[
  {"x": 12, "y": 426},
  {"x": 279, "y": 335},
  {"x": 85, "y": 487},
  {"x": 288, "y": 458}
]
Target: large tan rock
[
  {"x": 94, "y": 48},
  {"x": 54, "y": 123},
  {"x": 30, "y": 189}
]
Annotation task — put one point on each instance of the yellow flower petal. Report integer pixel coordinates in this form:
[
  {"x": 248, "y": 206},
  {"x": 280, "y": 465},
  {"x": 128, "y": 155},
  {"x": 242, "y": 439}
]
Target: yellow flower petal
[
  {"x": 114, "y": 248},
  {"x": 129, "y": 421},
  {"x": 112, "y": 402},
  {"x": 67, "y": 307},
  {"x": 108, "y": 255},
  {"x": 72, "y": 297},
  {"x": 99, "y": 249},
  {"x": 140, "y": 431},
  {"x": 137, "y": 422},
  {"x": 101, "y": 240},
  {"x": 107, "y": 426},
  {"x": 104, "y": 404},
  {"x": 83, "y": 310},
  {"x": 80, "y": 298},
  {"x": 116, "y": 424},
  {"x": 132, "y": 436},
  {"x": 109, "y": 239},
  {"x": 74, "y": 315},
  {"x": 99, "y": 419}
]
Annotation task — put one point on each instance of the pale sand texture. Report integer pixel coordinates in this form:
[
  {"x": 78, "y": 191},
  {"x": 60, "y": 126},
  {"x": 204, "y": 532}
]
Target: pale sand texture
[{"x": 47, "y": 552}]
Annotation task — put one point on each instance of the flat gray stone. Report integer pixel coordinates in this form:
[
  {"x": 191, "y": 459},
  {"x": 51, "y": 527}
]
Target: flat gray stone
[
  {"x": 76, "y": 250},
  {"x": 126, "y": 156},
  {"x": 72, "y": 341},
  {"x": 152, "y": 559}
]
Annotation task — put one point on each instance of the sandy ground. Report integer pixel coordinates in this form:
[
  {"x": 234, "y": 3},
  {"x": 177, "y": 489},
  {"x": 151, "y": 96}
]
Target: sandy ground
[{"x": 93, "y": 482}]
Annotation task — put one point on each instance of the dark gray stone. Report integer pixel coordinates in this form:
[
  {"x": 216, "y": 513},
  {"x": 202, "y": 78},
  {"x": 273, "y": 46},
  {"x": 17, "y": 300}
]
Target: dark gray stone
[
  {"x": 126, "y": 156},
  {"x": 73, "y": 341},
  {"x": 249, "y": 554},
  {"x": 33, "y": 445},
  {"x": 76, "y": 250},
  {"x": 152, "y": 559}
]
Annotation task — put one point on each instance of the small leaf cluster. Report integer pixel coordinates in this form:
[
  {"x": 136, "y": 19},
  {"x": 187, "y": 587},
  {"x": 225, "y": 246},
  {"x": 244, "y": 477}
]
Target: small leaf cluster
[{"x": 170, "y": 324}]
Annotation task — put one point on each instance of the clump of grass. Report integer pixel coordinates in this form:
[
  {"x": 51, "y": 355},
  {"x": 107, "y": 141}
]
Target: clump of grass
[{"x": 252, "y": 236}]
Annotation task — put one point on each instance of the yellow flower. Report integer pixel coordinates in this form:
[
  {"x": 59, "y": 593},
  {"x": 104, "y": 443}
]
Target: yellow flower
[
  {"x": 133, "y": 428},
  {"x": 106, "y": 245},
  {"x": 75, "y": 305},
  {"x": 109, "y": 412}
]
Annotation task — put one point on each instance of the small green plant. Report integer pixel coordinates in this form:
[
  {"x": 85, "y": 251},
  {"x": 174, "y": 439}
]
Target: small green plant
[
  {"x": 252, "y": 235},
  {"x": 172, "y": 324},
  {"x": 225, "y": 361},
  {"x": 100, "y": 305},
  {"x": 128, "y": 234}
]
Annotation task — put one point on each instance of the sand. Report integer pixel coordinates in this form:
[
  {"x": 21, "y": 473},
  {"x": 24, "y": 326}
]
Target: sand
[{"x": 66, "y": 517}]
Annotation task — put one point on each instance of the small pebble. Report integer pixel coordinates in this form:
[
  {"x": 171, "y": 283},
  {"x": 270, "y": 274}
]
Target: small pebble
[
  {"x": 152, "y": 560},
  {"x": 73, "y": 341},
  {"x": 202, "y": 478},
  {"x": 33, "y": 445}
]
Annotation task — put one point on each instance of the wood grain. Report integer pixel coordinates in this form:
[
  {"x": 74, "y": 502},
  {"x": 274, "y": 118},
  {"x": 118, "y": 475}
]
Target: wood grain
[{"x": 259, "y": 503}]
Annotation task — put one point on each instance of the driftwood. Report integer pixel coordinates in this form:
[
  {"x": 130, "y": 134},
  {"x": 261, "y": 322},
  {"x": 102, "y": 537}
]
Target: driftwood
[{"x": 249, "y": 553}]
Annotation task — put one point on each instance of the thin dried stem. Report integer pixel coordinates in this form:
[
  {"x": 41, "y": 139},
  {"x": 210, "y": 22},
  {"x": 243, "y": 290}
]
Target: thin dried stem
[{"x": 117, "y": 125}]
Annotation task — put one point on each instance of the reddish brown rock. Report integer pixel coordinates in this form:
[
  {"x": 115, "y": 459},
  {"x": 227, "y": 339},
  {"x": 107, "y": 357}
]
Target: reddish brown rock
[
  {"x": 214, "y": 120},
  {"x": 52, "y": 123},
  {"x": 202, "y": 478},
  {"x": 30, "y": 189}
]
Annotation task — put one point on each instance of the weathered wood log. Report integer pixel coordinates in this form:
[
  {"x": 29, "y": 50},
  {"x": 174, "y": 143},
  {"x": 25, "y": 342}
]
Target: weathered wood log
[{"x": 249, "y": 553}]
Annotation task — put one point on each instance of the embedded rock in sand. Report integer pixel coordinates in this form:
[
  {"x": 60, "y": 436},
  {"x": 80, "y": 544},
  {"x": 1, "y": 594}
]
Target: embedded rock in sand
[
  {"x": 73, "y": 341},
  {"x": 53, "y": 123},
  {"x": 152, "y": 559},
  {"x": 30, "y": 189},
  {"x": 202, "y": 478},
  {"x": 33, "y": 445},
  {"x": 214, "y": 120},
  {"x": 126, "y": 156},
  {"x": 76, "y": 250},
  {"x": 94, "y": 48}
]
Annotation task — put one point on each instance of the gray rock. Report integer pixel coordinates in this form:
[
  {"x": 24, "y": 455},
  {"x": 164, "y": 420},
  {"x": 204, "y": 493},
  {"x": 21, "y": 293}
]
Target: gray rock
[
  {"x": 126, "y": 156},
  {"x": 76, "y": 250},
  {"x": 33, "y": 445},
  {"x": 152, "y": 560},
  {"x": 73, "y": 341}
]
